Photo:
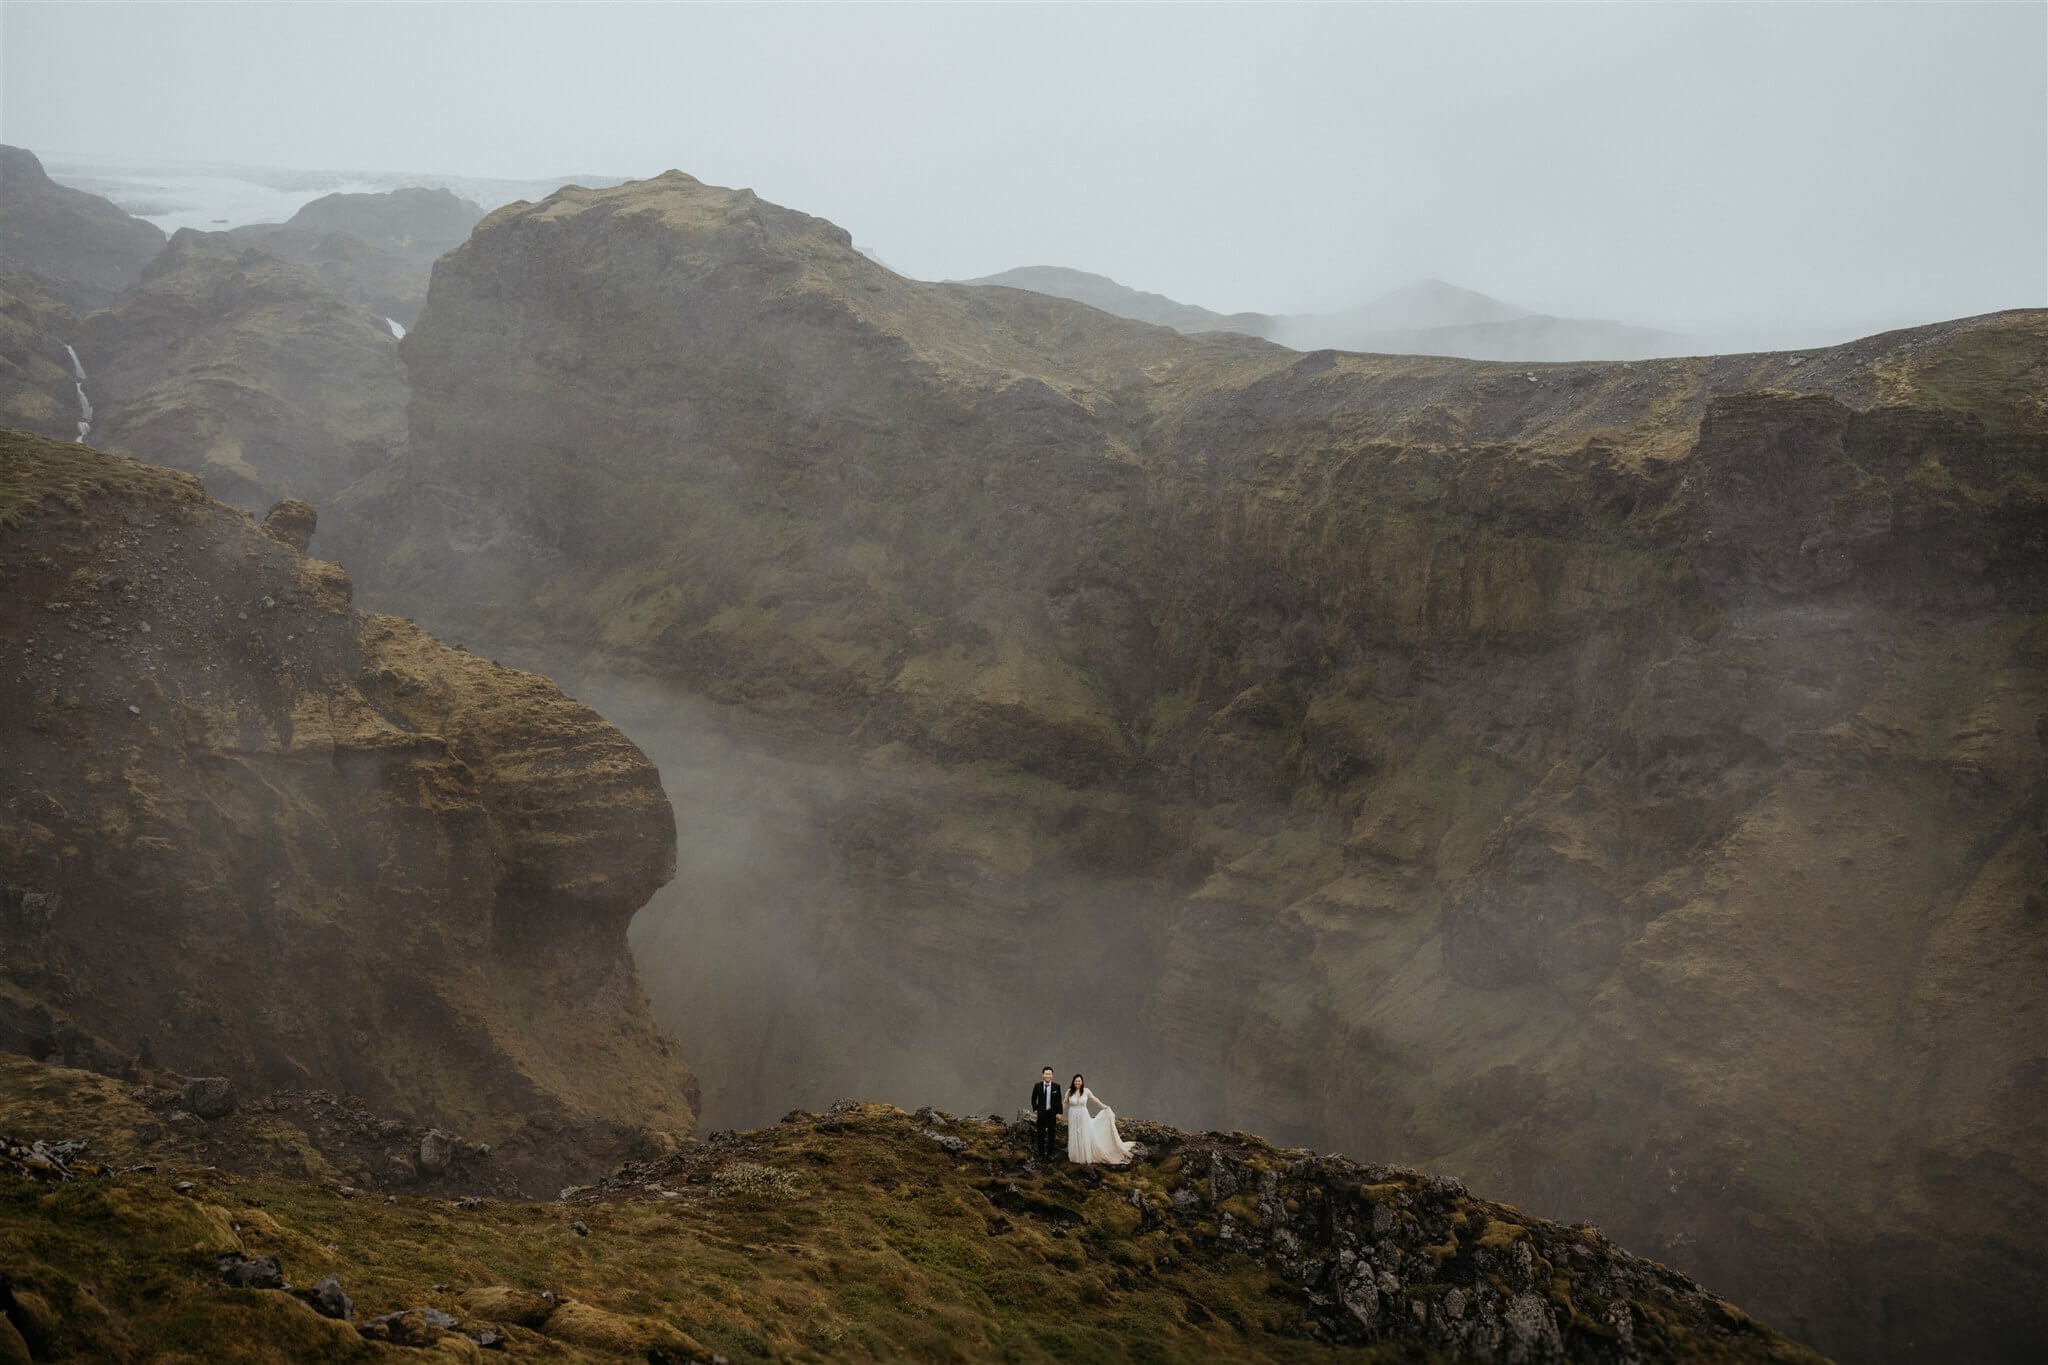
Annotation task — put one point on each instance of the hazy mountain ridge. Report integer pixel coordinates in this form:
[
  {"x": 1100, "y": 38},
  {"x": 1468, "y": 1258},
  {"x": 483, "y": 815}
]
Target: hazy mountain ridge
[
  {"x": 1430, "y": 318},
  {"x": 63, "y": 253},
  {"x": 246, "y": 369},
  {"x": 416, "y": 222},
  {"x": 1396, "y": 745},
  {"x": 1099, "y": 291},
  {"x": 375, "y": 249},
  {"x": 88, "y": 249},
  {"x": 214, "y": 196},
  {"x": 261, "y": 359}
]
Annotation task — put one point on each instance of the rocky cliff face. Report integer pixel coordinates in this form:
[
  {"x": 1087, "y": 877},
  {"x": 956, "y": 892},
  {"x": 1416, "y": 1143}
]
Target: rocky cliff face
[
  {"x": 1619, "y": 782},
  {"x": 247, "y": 370},
  {"x": 252, "y": 833},
  {"x": 87, "y": 249}
]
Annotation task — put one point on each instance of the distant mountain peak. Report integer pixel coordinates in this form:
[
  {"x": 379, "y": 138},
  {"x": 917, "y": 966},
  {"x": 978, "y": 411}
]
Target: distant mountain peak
[
  {"x": 1433, "y": 303},
  {"x": 1112, "y": 296},
  {"x": 1432, "y": 316}
]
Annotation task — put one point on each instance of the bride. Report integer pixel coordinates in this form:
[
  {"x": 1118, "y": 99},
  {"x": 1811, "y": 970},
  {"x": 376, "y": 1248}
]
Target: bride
[{"x": 1092, "y": 1137}]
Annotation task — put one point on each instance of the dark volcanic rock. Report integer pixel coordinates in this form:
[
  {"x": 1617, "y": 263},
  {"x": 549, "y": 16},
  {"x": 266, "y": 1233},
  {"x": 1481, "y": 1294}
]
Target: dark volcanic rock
[
  {"x": 329, "y": 1301},
  {"x": 210, "y": 1097},
  {"x": 259, "y": 1272}
]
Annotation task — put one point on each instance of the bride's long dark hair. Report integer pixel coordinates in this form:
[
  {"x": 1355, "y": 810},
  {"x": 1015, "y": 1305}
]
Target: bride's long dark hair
[{"x": 1074, "y": 1086}]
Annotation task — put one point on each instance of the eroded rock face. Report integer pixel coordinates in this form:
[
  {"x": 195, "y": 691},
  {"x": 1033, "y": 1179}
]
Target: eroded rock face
[
  {"x": 1601, "y": 783},
  {"x": 253, "y": 834},
  {"x": 88, "y": 249},
  {"x": 247, "y": 370}
]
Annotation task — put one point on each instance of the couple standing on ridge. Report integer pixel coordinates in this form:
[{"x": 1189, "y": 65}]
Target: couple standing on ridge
[{"x": 1091, "y": 1137}]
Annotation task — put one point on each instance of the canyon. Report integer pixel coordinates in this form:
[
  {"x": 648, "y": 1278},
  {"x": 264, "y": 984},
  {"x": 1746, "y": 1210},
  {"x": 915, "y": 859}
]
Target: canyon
[{"x": 1618, "y": 785}]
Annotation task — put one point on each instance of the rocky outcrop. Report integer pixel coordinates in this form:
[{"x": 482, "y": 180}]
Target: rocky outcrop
[
  {"x": 257, "y": 836},
  {"x": 82, "y": 245},
  {"x": 1598, "y": 780},
  {"x": 246, "y": 370}
]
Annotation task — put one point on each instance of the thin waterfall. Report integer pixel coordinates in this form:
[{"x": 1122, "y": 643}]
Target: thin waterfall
[{"x": 84, "y": 403}]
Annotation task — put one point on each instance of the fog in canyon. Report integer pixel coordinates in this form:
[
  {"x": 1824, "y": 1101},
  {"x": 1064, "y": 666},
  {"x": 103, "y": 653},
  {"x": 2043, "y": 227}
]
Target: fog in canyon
[{"x": 1459, "y": 585}]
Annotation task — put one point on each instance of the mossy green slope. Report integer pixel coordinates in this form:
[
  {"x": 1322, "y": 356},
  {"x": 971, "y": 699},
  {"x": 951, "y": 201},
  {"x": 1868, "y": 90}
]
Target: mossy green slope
[{"x": 862, "y": 1233}]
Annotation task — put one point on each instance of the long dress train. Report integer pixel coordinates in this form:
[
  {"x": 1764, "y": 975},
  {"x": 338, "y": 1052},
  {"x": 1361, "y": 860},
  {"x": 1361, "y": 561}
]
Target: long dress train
[{"x": 1092, "y": 1137}]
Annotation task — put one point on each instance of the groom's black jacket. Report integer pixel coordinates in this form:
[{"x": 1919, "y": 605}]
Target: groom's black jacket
[{"x": 1045, "y": 1099}]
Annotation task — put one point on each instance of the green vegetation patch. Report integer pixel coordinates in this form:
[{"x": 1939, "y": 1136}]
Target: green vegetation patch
[{"x": 35, "y": 472}]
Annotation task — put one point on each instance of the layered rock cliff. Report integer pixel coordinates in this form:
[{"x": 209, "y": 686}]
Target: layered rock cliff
[
  {"x": 252, "y": 833},
  {"x": 1620, "y": 783}
]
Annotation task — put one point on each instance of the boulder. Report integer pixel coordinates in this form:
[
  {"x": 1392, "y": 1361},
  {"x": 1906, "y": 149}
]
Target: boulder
[{"x": 210, "y": 1097}]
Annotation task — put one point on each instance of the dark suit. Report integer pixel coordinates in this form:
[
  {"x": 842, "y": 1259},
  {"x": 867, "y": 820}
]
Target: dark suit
[{"x": 1046, "y": 1103}]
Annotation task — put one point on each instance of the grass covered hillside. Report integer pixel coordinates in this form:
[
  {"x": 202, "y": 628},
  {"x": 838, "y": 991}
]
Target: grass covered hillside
[{"x": 862, "y": 1233}]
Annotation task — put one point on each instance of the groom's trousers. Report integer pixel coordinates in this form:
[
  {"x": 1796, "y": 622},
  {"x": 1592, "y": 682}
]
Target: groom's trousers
[{"x": 1047, "y": 1130}]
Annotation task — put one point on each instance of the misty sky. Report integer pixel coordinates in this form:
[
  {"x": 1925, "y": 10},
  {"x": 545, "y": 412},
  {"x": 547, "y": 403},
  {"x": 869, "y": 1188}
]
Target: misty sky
[{"x": 1676, "y": 165}]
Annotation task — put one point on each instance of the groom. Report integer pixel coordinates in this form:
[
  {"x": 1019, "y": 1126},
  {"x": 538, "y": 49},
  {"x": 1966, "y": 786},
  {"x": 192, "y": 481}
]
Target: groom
[{"x": 1045, "y": 1106}]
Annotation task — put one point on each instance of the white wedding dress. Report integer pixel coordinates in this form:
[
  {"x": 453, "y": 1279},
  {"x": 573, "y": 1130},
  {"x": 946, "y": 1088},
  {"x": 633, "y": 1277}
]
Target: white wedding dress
[{"x": 1092, "y": 1137}]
